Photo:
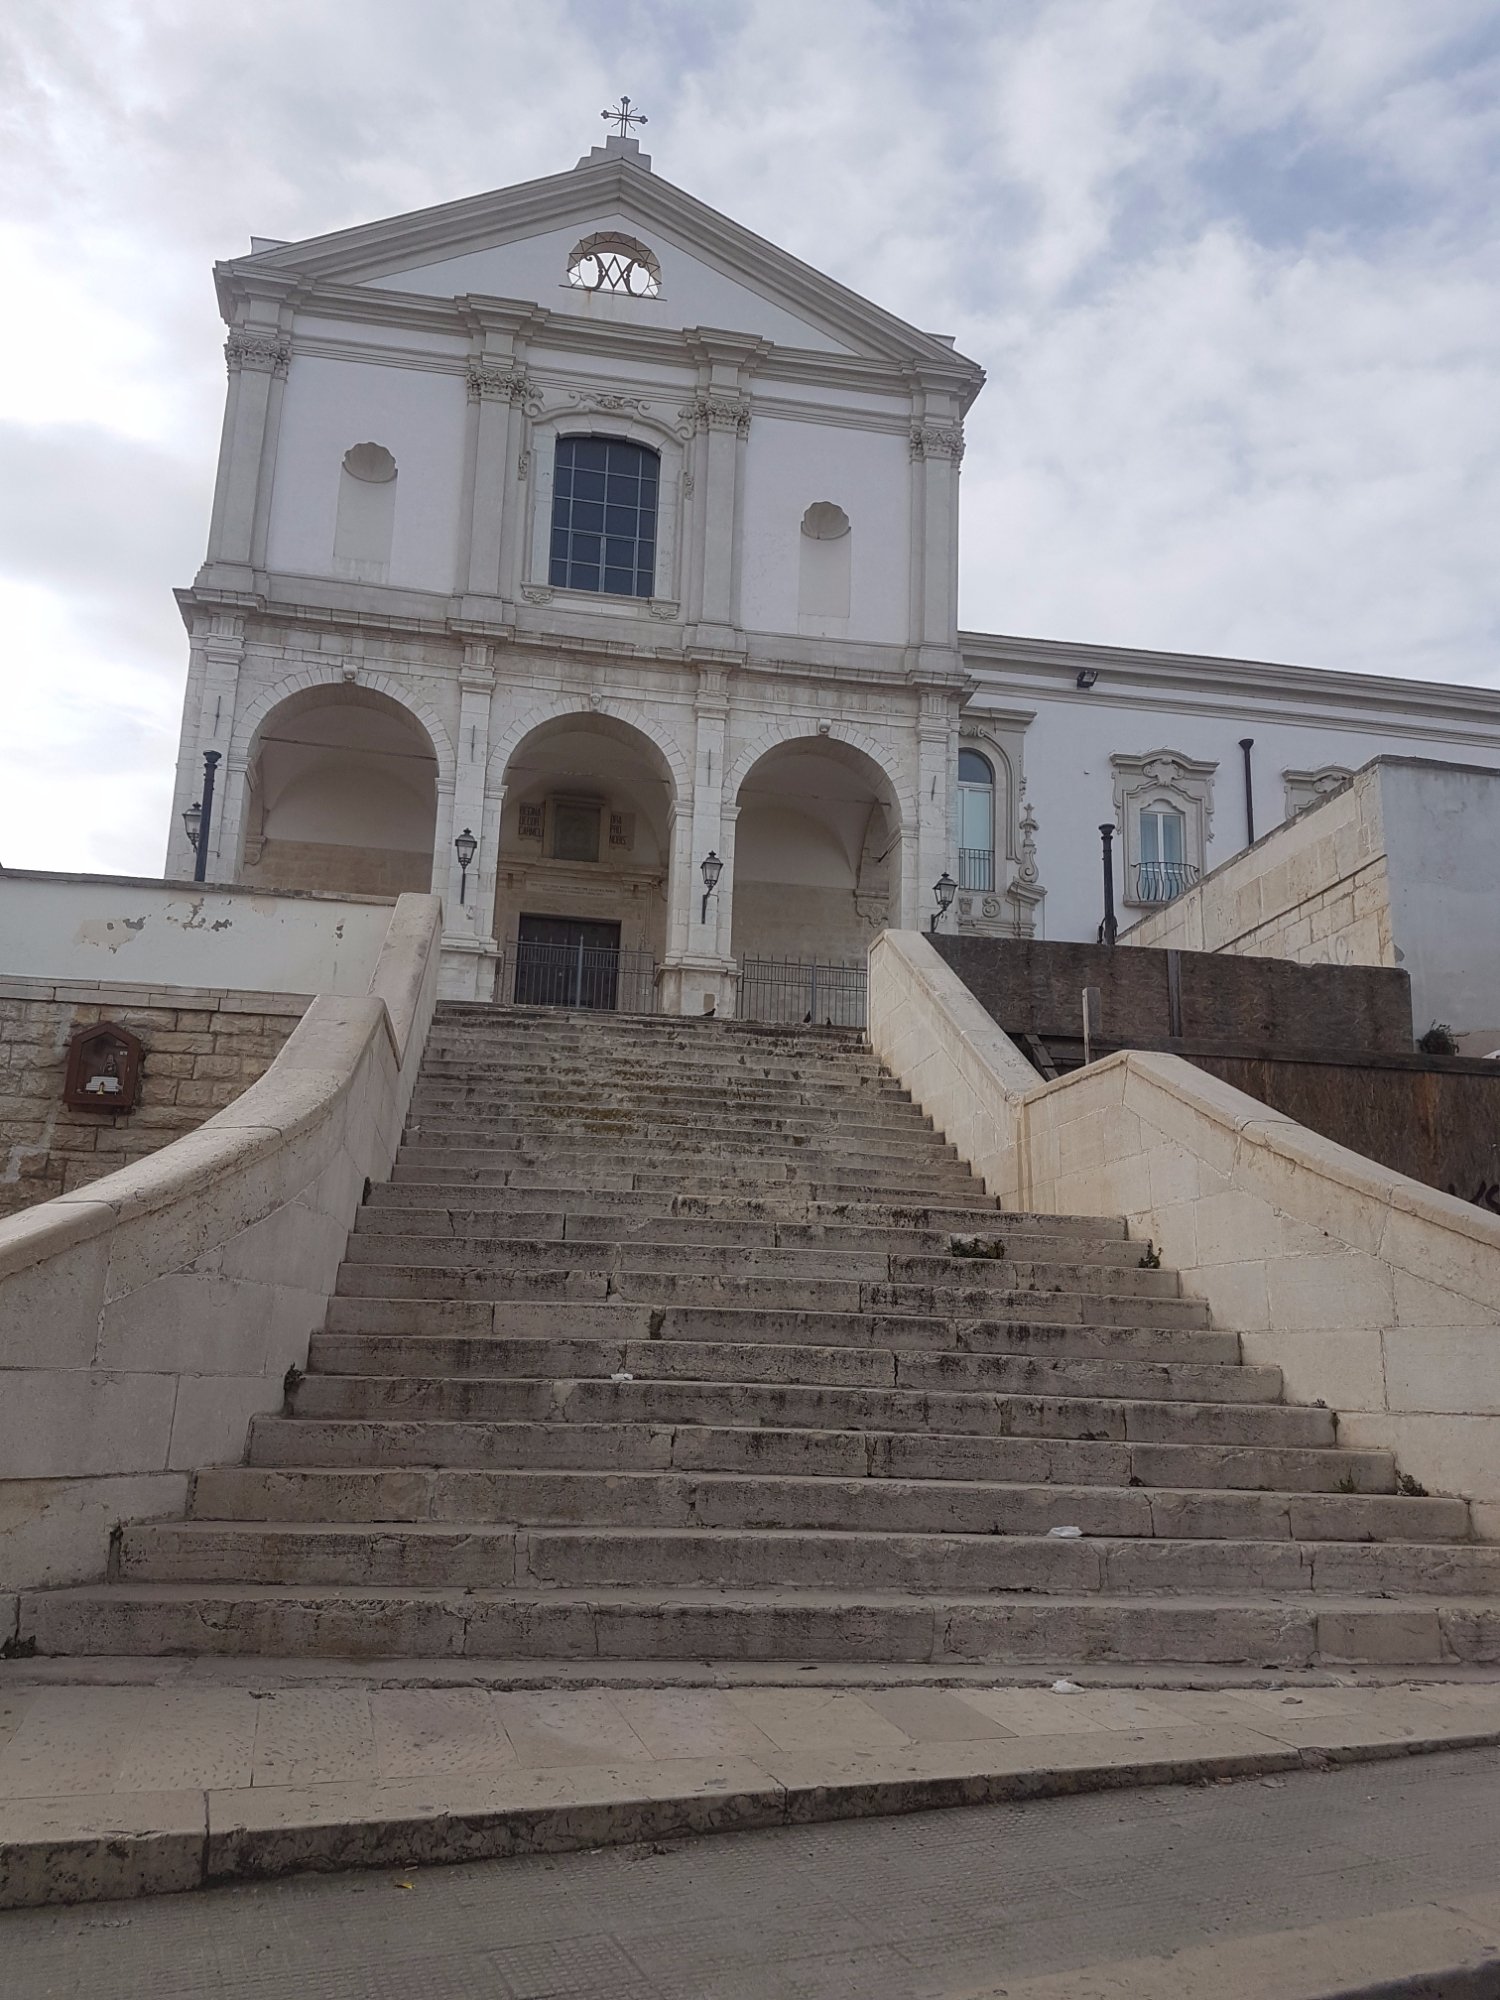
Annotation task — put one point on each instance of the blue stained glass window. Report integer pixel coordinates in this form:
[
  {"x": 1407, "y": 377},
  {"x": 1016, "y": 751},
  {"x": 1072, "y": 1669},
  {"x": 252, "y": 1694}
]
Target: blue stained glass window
[{"x": 604, "y": 516}]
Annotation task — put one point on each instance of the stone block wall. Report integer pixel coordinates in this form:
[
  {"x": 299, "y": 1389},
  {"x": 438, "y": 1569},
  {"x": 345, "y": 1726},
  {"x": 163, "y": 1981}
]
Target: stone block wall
[
  {"x": 1316, "y": 890},
  {"x": 202, "y": 1048}
]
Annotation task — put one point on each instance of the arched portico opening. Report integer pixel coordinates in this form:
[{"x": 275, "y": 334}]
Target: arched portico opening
[
  {"x": 817, "y": 853},
  {"x": 340, "y": 794},
  {"x": 581, "y": 892}
]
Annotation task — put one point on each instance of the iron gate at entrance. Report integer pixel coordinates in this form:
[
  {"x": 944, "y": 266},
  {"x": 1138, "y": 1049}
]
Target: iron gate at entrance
[
  {"x": 570, "y": 962},
  {"x": 795, "y": 991}
]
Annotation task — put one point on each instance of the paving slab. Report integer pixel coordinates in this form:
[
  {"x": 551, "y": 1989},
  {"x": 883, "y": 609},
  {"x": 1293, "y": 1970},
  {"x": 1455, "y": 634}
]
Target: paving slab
[{"x": 150, "y": 1787}]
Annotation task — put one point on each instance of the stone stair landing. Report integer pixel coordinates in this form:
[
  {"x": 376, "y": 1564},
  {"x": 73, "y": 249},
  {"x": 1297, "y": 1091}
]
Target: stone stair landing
[{"x": 692, "y": 1340}]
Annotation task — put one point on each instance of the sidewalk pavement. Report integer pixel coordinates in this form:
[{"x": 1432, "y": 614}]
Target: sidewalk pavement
[{"x": 144, "y": 1786}]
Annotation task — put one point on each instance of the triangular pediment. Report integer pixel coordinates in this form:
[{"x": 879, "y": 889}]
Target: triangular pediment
[{"x": 514, "y": 244}]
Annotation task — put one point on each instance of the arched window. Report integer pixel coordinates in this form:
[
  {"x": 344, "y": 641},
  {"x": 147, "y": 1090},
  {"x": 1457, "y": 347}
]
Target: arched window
[
  {"x": 604, "y": 516},
  {"x": 1162, "y": 870},
  {"x": 611, "y": 263},
  {"x": 976, "y": 822}
]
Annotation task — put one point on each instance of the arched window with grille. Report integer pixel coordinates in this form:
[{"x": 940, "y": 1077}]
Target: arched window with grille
[
  {"x": 976, "y": 822},
  {"x": 604, "y": 499}
]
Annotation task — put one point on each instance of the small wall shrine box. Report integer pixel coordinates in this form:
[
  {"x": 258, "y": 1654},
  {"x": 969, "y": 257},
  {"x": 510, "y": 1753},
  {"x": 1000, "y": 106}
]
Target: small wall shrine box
[{"x": 104, "y": 1069}]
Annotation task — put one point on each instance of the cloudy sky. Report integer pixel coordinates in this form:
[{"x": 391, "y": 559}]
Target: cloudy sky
[{"x": 1231, "y": 265}]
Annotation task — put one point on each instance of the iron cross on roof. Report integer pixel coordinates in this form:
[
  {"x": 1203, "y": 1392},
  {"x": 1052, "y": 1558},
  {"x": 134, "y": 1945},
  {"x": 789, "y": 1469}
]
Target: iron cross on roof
[{"x": 624, "y": 117}]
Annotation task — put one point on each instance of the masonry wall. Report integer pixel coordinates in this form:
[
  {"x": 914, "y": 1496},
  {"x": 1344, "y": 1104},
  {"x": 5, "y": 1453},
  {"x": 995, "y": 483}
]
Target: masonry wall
[
  {"x": 202, "y": 1048},
  {"x": 1247, "y": 1005}
]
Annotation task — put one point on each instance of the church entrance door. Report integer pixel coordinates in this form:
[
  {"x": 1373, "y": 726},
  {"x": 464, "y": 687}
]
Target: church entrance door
[{"x": 567, "y": 962}]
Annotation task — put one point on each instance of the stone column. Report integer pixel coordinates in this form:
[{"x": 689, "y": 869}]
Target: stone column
[
  {"x": 719, "y": 413},
  {"x": 698, "y": 965},
  {"x": 258, "y": 359},
  {"x": 937, "y": 449},
  {"x": 468, "y": 942},
  {"x": 218, "y": 649},
  {"x": 497, "y": 387},
  {"x": 929, "y": 849}
]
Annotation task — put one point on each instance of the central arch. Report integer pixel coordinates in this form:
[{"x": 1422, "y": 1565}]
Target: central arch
[
  {"x": 584, "y": 860},
  {"x": 817, "y": 851}
]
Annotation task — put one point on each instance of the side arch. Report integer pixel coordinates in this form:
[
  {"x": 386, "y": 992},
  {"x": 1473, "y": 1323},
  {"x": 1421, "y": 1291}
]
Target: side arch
[
  {"x": 778, "y": 735},
  {"x": 248, "y": 722}
]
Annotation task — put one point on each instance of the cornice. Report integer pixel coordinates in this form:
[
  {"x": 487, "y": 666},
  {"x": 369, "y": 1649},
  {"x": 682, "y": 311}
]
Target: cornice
[
  {"x": 1205, "y": 683},
  {"x": 454, "y": 229},
  {"x": 568, "y": 333}
]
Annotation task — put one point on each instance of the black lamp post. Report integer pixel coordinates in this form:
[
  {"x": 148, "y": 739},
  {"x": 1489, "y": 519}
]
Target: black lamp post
[
  {"x": 198, "y": 818},
  {"x": 465, "y": 846},
  {"x": 713, "y": 868},
  {"x": 1109, "y": 930},
  {"x": 944, "y": 889}
]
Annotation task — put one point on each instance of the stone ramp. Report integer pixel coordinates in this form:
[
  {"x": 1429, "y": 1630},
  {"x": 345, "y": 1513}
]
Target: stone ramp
[{"x": 693, "y": 1340}]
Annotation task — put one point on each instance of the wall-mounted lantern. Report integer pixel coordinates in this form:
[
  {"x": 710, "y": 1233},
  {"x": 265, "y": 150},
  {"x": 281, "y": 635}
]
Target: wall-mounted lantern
[
  {"x": 713, "y": 868},
  {"x": 465, "y": 846},
  {"x": 944, "y": 889},
  {"x": 104, "y": 1069}
]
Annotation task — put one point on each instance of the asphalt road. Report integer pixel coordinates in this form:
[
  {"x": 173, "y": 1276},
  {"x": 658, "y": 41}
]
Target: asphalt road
[{"x": 935, "y": 1904}]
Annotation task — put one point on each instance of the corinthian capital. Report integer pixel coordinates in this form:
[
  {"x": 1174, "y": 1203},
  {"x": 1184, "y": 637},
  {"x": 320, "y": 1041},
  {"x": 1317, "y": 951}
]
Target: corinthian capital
[
  {"x": 267, "y": 352},
  {"x": 718, "y": 413},
  {"x": 937, "y": 441},
  {"x": 489, "y": 383}
]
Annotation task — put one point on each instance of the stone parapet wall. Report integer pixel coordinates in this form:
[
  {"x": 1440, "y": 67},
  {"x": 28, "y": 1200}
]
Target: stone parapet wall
[
  {"x": 202, "y": 1048},
  {"x": 321, "y": 865},
  {"x": 145, "y": 1320},
  {"x": 1375, "y": 1295}
]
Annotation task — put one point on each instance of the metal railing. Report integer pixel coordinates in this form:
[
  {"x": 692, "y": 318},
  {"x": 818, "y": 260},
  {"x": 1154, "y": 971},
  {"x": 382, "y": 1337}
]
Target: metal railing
[
  {"x": 1161, "y": 881},
  {"x": 577, "y": 975},
  {"x": 976, "y": 868},
  {"x": 799, "y": 990}
]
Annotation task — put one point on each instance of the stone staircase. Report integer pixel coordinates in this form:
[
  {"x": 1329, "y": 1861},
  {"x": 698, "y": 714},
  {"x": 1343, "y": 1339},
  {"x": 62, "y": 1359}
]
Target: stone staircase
[{"x": 661, "y": 1343}]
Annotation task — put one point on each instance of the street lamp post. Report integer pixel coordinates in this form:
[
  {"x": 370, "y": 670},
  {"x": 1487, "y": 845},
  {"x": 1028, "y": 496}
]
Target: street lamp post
[
  {"x": 1109, "y": 930},
  {"x": 198, "y": 818}
]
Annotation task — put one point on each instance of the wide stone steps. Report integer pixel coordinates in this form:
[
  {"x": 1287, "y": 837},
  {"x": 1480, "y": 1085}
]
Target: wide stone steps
[
  {"x": 615, "y": 1328},
  {"x": 280, "y": 1443},
  {"x": 920, "y": 1256},
  {"x": 652, "y": 1499},
  {"x": 1079, "y": 1325},
  {"x": 442, "y": 1555},
  {"x": 1171, "y": 1414},
  {"x": 974, "y": 1213},
  {"x": 1273, "y": 1630},
  {"x": 674, "y": 1340}
]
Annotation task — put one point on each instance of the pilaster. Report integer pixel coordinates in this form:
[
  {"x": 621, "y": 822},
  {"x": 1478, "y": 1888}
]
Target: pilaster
[{"x": 258, "y": 359}]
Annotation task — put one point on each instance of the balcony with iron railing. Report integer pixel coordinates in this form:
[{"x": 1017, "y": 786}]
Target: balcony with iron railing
[
  {"x": 1162, "y": 881},
  {"x": 976, "y": 869}
]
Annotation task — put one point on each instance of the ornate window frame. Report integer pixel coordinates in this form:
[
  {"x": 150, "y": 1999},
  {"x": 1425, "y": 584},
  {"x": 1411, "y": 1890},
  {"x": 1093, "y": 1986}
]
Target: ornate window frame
[
  {"x": 1161, "y": 778},
  {"x": 1309, "y": 788},
  {"x": 1009, "y": 908},
  {"x": 603, "y": 413}
]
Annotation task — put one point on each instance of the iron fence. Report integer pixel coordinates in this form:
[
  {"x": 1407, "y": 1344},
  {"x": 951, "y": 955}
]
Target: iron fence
[
  {"x": 976, "y": 869},
  {"x": 577, "y": 975},
  {"x": 1161, "y": 881},
  {"x": 798, "y": 990}
]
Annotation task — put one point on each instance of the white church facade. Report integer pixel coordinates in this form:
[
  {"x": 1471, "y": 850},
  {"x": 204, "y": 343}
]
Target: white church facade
[{"x": 584, "y": 558}]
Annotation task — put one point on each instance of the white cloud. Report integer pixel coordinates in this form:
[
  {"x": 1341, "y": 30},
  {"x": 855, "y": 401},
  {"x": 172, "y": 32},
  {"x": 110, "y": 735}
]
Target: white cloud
[{"x": 1228, "y": 262}]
